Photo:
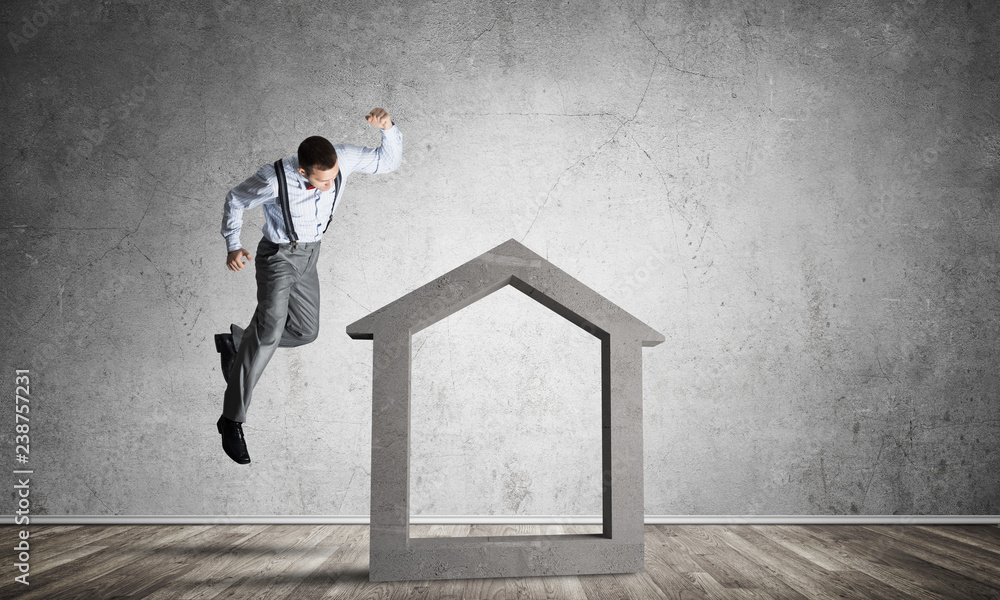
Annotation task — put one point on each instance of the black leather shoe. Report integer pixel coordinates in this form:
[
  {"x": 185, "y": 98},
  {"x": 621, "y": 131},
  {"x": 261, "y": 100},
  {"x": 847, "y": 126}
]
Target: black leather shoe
[
  {"x": 227, "y": 349},
  {"x": 232, "y": 440}
]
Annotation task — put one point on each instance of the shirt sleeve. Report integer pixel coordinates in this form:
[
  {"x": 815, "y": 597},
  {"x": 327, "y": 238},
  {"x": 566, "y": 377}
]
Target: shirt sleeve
[
  {"x": 254, "y": 191},
  {"x": 384, "y": 159}
]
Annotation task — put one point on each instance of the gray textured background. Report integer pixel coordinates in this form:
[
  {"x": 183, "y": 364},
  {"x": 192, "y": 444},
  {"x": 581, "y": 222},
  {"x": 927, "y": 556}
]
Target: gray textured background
[{"x": 802, "y": 196}]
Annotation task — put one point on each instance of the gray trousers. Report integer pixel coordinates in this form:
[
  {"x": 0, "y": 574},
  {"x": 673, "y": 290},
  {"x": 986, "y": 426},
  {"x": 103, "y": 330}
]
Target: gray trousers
[{"x": 287, "y": 315}]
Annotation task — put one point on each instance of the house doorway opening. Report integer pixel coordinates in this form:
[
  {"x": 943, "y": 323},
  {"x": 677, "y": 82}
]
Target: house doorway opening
[{"x": 505, "y": 428}]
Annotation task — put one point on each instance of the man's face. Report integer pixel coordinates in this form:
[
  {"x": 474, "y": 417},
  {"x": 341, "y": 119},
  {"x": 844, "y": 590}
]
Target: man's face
[{"x": 322, "y": 180}]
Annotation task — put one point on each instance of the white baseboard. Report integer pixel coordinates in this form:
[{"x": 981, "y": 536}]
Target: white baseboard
[{"x": 511, "y": 519}]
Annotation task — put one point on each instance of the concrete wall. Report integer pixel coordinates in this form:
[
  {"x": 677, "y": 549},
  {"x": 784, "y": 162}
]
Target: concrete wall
[{"x": 802, "y": 196}]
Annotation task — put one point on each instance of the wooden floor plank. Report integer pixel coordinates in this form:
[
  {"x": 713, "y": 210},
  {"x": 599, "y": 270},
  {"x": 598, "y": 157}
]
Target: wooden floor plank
[
  {"x": 121, "y": 549},
  {"x": 970, "y": 561},
  {"x": 548, "y": 588},
  {"x": 211, "y": 558},
  {"x": 286, "y": 572},
  {"x": 805, "y": 576},
  {"x": 597, "y": 587},
  {"x": 151, "y": 564},
  {"x": 716, "y": 591},
  {"x": 848, "y": 560},
  {"x": 815, "y": 553},
  {"x": 71, "y": 541},
  {"x": 270, "y": 565},
  {"x": 678, "y": 549},
  {"x": 984, "y": 538},
  {"x": 669, "y": 563},
  {"x": 890, "y": 563},
  {"x": 272, "y": 562},
  {"x": 61, "y": 531},
  {"x": 342, "y": 572},
  {"x": 439, "y": 530},
  {"x": 731, "y": 569}
]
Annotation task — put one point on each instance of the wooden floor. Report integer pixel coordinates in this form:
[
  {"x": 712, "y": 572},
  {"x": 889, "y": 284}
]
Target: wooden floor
[{"x": 331, "y": 561}]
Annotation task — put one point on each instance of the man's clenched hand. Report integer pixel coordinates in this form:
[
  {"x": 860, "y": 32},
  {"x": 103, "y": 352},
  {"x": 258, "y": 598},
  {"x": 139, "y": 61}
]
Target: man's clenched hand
[
  {"x": 233, "y": 259},
  {"x": 379, "y": 118}
]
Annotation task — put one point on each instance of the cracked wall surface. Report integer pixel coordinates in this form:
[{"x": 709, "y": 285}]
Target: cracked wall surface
[{"x": 802, "y": 197}]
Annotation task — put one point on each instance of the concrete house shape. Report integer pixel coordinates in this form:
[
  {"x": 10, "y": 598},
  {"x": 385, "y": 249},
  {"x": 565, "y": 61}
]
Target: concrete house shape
[{"x": 394, "y": 555}]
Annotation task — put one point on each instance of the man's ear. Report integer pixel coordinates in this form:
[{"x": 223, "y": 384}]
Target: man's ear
[{"x": 303, "y": 172}]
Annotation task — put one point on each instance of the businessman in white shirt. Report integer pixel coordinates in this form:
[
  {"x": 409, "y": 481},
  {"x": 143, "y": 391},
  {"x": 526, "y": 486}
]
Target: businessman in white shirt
[{"x": 298, "y": 208}]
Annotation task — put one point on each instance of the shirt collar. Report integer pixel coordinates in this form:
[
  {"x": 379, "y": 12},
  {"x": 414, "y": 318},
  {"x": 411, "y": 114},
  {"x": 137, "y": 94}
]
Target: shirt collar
[{"x": 300, "y": 180}]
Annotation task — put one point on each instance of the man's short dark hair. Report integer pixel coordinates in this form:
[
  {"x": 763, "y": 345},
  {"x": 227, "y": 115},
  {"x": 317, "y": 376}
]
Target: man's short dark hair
[{"x": 316, "y": 153}]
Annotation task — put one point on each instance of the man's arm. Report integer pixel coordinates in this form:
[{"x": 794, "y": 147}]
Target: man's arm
[
  {"x": 255, "y": 190},
  {"x": 384, "y": 159}
]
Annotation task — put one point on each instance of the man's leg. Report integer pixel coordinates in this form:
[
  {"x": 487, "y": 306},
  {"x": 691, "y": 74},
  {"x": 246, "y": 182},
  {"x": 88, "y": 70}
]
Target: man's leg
[
  {"x": 302, "y": 324},
  {"x": 287, "y": 315},
  {"x": 276, "y": 275}
]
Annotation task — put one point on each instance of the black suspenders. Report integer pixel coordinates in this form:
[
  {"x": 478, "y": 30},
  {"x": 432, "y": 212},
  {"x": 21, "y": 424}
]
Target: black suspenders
[
  {"x": 336, "y": 190},
  {"x": 286, "y": 211}
]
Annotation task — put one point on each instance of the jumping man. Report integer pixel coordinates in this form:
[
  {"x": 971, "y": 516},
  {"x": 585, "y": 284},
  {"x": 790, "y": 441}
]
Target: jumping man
[{"x": 299, "y": 194}]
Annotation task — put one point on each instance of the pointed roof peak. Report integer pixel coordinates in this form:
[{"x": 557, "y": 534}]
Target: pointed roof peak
[{"x": 509, "y": 263}]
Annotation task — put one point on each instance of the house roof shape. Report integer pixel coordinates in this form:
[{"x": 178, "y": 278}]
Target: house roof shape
[{"x": 510, "y": 263}]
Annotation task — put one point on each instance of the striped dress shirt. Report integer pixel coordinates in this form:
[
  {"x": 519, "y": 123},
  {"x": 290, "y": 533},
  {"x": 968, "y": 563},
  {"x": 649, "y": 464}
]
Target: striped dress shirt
[{"x": 311, "y": 210}]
